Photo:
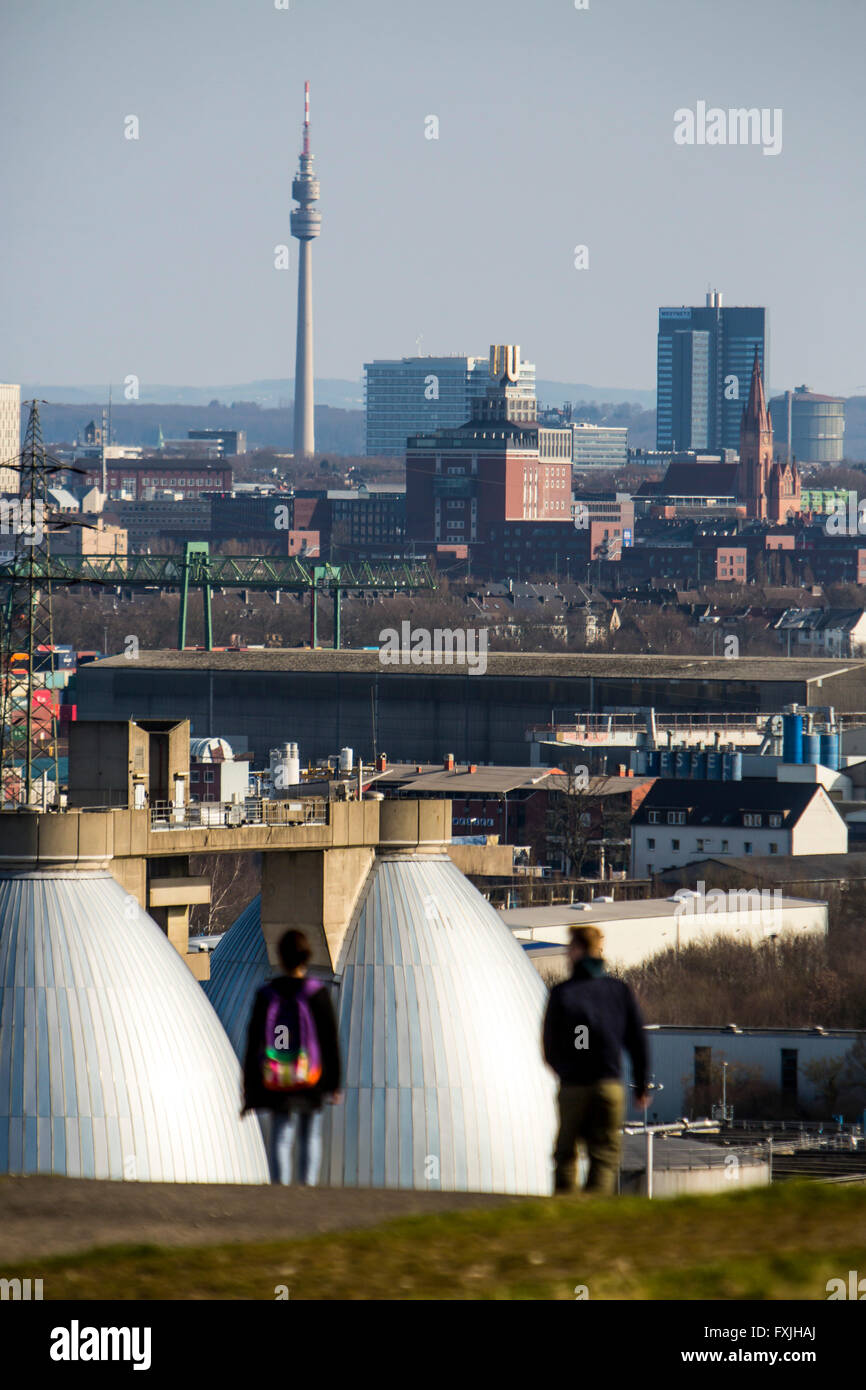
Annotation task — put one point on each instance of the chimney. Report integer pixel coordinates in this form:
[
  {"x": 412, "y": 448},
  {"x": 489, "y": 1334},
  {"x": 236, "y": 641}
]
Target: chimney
[
  {"x": 449, "y": 762},
  {"x": 473, "y": 767},
  {"x": 382, "y": 763}
]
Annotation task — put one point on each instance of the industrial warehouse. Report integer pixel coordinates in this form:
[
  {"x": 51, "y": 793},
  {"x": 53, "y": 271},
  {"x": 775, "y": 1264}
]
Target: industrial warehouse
[{"x": 329, "y": 699}]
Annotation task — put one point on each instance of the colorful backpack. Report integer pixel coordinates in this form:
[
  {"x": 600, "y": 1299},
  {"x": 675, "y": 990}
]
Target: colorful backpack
[{"x": 292, "y": 1058}]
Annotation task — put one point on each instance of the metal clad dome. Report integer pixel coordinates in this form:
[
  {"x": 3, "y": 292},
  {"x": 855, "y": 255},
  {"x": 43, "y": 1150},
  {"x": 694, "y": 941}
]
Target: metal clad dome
[
  {"x": 210, "y": 750},
  {"x": 440, "y": 1024},
  {"x": 440, "y": 1029},
  {"x": 112, "y": 1063},
  {"x": 238, "y": 966}
]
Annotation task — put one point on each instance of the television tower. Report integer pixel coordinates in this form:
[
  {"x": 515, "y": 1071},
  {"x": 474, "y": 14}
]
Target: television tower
[{"x": 306, "y": 223}]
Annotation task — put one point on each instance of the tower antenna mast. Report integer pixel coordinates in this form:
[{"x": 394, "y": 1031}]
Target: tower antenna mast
[{"x": 306, "y": 224}]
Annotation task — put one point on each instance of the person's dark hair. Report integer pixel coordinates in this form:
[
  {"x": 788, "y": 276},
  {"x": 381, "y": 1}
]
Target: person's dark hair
[
  {"x": 590, "y": 939},
  {"x": 294, "y": 949}
]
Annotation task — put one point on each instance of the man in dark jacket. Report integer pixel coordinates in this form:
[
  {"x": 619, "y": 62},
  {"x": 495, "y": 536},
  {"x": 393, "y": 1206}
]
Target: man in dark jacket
[
  {"x": 296, "y": 1117},
  {"x": 590, "y": 1019}
]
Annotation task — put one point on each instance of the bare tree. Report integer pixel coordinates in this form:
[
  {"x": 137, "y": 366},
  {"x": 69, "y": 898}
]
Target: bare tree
[
  {"x": 570, "y": 819},
  {"x": 235, "y": 881}
]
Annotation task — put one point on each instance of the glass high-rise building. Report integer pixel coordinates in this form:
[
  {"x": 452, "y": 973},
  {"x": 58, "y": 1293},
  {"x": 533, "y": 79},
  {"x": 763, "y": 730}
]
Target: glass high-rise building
[
  {"x": 419, "y": 395},
  {"x": 705, "y": 358}
]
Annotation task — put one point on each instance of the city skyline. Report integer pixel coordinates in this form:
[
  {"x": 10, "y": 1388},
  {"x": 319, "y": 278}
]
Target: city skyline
[{"x": 171, "y": 232}]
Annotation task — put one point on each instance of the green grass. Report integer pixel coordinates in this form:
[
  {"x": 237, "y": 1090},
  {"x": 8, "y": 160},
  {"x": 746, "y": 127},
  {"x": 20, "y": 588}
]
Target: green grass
[{"x": 763, "y": 1243}]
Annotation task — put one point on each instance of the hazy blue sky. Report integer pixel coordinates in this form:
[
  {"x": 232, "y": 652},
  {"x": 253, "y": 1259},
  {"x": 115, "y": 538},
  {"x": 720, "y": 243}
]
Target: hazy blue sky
[{"x": 155, "y": 256}]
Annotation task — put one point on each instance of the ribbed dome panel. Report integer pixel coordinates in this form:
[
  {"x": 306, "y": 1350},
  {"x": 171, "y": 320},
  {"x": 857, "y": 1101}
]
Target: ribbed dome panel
[
  {"x": 238, "y": 966},
  {"x": 440, "y": 1023},
  {"x": 112, "y": 1062}
]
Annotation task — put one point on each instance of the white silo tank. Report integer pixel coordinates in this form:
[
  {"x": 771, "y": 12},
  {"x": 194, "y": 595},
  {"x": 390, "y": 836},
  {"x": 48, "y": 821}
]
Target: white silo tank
[
  {"x": 293, "y": 765},
  {"x": 347, "y": 759},
  {"x": 285, "y": 767}
]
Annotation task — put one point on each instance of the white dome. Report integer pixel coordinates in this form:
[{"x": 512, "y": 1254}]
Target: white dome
[
  {"x": 114, "y": 1063},
  {"x": 440, "y": 1029},
  {"x": 210, "y": 750}
]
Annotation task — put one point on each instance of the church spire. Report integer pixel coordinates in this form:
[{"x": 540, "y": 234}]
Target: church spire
[{"x": 756, "y": 415}]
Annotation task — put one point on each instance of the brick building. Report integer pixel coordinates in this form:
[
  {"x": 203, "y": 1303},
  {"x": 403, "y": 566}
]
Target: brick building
[
  {"x": 136, "y": 480},
  {"x": 499, "y": 467}
]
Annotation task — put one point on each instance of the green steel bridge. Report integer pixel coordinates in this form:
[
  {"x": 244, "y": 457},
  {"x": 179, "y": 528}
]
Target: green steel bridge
[{"x": 197, "y": 568}]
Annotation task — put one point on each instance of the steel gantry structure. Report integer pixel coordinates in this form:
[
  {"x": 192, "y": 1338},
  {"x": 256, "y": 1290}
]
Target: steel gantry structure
[{"x": 197, "y": 568}]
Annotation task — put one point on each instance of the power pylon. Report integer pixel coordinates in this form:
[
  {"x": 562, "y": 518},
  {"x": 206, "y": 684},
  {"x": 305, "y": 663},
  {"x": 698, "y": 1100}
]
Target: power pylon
[{"x": 28, "y": 722}]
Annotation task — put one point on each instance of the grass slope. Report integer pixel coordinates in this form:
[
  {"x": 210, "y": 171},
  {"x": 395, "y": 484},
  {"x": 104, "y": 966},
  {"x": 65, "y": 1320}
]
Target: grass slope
[{"x": 763, "y": 1243}]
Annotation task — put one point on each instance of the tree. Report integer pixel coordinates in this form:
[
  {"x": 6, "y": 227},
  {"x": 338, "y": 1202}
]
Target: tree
[
  {"x": 235, "y": 881},
  {"x": 841, "y": 1081},
  {"x": 570, "y": 819}
]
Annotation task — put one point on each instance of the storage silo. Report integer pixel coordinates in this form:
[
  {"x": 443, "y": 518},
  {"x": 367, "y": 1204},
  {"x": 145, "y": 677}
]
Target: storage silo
[
  {"x": 811, "y": 748},
  {"x": 285, "y": 767},
  {"x": 792, "y": 738},
  {"x": 830, "y": 751},
  {"x": 812, "y": 426}
]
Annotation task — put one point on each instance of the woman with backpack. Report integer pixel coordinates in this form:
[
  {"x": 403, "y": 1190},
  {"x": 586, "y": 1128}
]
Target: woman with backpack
[{"x": 292, "y": 1063}]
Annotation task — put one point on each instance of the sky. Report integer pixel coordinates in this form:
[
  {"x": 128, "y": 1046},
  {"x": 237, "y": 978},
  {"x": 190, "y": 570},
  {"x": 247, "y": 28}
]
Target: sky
[{"x": 155, "y": 256}]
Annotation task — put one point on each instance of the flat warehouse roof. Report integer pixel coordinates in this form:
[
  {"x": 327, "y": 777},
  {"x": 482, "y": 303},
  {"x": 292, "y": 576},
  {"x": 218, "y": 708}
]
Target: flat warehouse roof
[
  {"x": 524, "y": 664},
  {"x": 646, "y": 909}
]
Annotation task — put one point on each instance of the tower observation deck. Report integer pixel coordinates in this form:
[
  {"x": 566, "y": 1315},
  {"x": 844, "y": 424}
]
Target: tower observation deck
[{"x": 306, "y": 223}]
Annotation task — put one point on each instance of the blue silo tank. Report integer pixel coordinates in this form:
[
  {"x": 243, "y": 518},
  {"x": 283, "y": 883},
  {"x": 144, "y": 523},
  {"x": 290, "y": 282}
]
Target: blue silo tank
[
  {"x": 699, "y": 764},
  {"x": 714, "y": 766},
  {"x": 811, "y": 748},
  {"x": 792, "y": 738},
  {"x": 830, "y": 751},
  {"x": 682, "y": 762},
  {"x": 666, "y": 763},
  {"x": 732, "y": 767}
]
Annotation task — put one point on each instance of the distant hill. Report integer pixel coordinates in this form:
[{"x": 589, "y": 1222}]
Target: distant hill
[
  {"x": 556, "y": 392},
  {"x": 337, "y": 431},
  {"x": 345, "y": 395}
]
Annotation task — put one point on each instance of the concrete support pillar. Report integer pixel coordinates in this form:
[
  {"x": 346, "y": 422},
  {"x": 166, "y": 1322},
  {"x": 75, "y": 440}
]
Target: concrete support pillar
[
  {"x": 131, "y": 874},
  {"x": 313, "y": 891}
]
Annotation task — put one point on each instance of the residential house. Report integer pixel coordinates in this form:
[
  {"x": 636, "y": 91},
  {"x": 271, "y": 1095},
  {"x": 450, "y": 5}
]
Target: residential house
[{"x": 681, "y": 821}]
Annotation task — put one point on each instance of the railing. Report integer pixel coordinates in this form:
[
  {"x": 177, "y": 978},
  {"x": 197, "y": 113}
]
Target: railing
[
  {"x": 803, "y": 1131},
  {"x": 637, "y": 723},
  {"x": 694, "y": 1129},
  {"x": 526, "y": 891},
  {"x": 253, "y": 812}
]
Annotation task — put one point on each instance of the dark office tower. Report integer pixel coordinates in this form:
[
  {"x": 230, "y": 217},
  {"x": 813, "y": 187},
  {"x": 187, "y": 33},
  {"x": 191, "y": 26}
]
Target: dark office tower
[{"x": 705, "y": 358}]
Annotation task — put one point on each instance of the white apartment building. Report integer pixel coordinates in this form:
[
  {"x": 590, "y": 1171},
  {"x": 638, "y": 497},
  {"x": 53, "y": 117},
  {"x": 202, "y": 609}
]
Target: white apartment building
[
  {"x": 681, "y": 821},
  {"x": 10, "y": 435}
]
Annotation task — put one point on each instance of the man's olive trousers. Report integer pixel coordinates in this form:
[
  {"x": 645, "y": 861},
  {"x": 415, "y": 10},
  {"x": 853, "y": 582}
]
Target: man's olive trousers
[{"x": 591, "y": 1115}]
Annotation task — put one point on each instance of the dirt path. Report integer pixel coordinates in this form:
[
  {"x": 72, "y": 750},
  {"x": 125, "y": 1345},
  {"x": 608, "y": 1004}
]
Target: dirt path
[{"x": 53, "y": 1215}]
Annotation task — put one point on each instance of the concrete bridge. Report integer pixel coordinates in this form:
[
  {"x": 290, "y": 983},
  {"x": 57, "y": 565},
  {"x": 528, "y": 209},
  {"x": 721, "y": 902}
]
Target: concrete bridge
[{"x": 315, "y": 858}]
